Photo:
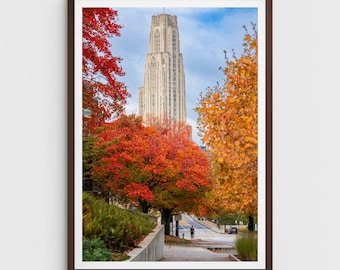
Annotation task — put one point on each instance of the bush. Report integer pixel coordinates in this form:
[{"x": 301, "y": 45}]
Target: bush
[
  {"x": 246, "y": 247},
  {"x": 95, "y": 250},
  {"x": 118, "y": 228}
]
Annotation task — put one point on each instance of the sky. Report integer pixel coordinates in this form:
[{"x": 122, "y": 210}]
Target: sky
[{"x": 204, "y": 34}]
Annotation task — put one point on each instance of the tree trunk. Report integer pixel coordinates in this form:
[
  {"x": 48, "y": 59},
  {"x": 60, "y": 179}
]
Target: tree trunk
[
  {"x": 145, "y": 206},
  {"x": 251, "y": 223},
  {"x": 166, "y": 217}
]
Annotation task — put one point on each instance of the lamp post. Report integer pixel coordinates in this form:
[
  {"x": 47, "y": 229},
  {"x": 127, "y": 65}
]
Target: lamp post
[{"x": 178, "y": 216}]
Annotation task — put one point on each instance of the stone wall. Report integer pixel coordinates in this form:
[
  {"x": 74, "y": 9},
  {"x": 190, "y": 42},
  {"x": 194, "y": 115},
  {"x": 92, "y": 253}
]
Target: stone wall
[{"x": 151, "y": 248}]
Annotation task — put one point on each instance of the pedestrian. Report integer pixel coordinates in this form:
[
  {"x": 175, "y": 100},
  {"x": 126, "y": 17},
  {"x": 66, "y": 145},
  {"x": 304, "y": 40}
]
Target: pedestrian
[{"x": 192, "y": 232}]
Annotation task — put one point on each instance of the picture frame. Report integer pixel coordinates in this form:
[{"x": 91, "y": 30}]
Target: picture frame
[{"x": 75, "y": 126}]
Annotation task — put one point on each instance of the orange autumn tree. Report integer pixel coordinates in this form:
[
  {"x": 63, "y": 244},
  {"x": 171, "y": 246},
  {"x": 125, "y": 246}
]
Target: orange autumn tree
[
  {"x": 228, "y": 123},
  {"x": 104, "y": 96}
]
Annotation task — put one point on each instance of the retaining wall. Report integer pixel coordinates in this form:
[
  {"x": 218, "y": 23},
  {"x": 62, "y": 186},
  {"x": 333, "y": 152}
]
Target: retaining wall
[{"x": 151, "y": 248}]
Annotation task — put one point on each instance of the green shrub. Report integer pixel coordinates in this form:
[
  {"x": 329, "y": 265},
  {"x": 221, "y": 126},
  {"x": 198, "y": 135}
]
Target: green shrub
[
  {"x": 246, "y": 247},
  {"x": 118, "y": 228},
  {"x": 95, "y": 250}
]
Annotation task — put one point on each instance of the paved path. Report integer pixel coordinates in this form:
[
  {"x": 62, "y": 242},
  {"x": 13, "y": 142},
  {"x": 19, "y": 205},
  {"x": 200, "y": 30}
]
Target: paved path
[
  {"x": 209, "y": 244},
  {"x": 192, "y": 253},
  {"x": 206, "y": 231}
]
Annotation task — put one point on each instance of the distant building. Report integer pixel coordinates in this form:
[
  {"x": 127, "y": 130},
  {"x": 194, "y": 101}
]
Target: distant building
[
  {"x": 163, "y": 94},
  {"x": 206, "y": 150},
  {"x": 90, "y": 186}
]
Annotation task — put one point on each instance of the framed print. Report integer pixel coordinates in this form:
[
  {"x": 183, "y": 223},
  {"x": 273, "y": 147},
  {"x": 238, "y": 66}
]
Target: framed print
[{"x": 169, "y": 134}]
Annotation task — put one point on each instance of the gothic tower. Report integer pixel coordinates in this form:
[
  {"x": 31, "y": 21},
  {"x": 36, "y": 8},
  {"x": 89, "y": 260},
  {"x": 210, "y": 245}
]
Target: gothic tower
[{"x": 163, "y": 93}]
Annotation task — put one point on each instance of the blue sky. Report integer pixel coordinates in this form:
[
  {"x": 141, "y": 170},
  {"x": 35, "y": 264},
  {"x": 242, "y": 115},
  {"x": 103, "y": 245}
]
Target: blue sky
[{"x": 204, "y": 34}]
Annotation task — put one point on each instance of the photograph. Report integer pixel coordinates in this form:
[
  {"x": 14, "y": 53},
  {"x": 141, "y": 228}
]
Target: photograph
[{"x": 169, "y": 134}]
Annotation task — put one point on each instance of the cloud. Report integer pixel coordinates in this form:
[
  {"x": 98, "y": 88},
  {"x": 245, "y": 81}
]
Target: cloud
[
  {"x": 204, "y": 35},
  {"x": 131, "y": 108},
  {"x": 193, "y": 123}
]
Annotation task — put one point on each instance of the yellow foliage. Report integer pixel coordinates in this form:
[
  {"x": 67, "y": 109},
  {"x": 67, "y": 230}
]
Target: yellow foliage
[
  {"x": 230, "y": 129},
  {"x": 247, "y": 37}
]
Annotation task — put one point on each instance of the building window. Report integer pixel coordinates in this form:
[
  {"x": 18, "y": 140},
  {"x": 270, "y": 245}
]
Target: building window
[{"x": 157, "y": 41}]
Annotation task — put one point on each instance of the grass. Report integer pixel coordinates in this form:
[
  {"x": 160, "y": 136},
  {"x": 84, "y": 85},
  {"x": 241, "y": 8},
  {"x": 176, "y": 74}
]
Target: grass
[
  {"x": 246, "y": 246},
  {"x": 119, "y": 257},
  {"x": 176, "y": 240},
  {"x": 119, "y": 230}
]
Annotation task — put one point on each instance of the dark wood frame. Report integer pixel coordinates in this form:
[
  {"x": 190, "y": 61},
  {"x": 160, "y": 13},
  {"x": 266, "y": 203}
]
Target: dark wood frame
[{"x": 71, "y": 133}]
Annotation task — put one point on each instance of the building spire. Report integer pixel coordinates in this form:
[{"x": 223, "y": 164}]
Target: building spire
[{"x": 163, "y": 93}]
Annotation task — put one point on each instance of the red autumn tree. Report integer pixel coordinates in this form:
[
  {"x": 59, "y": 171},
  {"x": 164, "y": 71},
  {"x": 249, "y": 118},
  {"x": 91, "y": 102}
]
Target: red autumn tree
[
  {"x": 191, "y": 179},
  {"x": 159, "y": 168},
  {"x": 123, "y": 163},
  {"x": 103, "y": 95}
]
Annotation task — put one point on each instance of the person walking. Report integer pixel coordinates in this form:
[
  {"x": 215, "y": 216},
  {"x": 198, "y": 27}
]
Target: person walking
[{"x": 192, "y": 232}]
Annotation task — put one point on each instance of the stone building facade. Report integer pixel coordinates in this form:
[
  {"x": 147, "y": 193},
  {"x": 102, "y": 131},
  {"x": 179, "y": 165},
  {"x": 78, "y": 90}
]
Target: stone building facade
[{"x": 163, "y": 93}]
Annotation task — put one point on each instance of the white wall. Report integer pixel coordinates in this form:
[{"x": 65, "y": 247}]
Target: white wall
[
  {"x": 151, "y": 248},
  {"x": 33, "y": 134}
]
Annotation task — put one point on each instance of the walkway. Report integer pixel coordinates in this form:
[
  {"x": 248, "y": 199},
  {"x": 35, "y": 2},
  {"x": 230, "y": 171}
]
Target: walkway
[
  {"x": 192, "y": 253},
  {"x": 210, "y": 244}
]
